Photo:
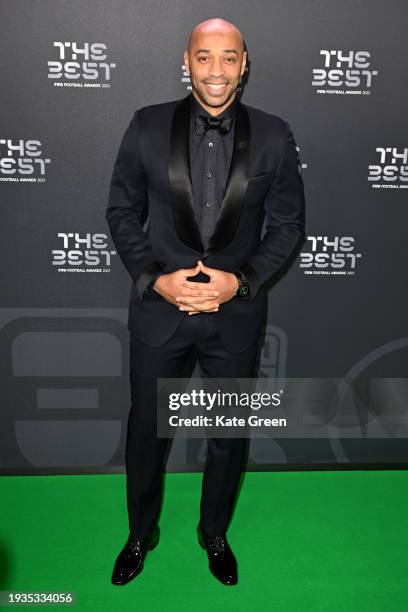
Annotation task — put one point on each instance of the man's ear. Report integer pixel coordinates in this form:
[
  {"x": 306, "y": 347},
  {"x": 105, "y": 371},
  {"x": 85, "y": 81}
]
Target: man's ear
[
  {"x": 244, "y": 62},
  {"x": 186, "y": 65}
]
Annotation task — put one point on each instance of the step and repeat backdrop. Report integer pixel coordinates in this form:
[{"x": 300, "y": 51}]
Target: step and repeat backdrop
[{"x": 73, "y": 73}]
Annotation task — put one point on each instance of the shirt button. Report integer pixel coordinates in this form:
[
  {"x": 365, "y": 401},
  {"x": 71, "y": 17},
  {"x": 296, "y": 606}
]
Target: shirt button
[
  {"x": 209, "y": 174},
  {"x": 210, "y": 144},
  {"x": 208, "y": 205}
]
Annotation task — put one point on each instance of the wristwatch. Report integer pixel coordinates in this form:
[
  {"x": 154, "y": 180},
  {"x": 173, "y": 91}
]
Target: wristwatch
[{"x": 243, "y": 285}]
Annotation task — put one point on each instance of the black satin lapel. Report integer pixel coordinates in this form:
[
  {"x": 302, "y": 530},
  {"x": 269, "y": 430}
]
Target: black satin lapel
[
  {"x": 181, "y": 191},
  {"x": 237, "y": 182}
]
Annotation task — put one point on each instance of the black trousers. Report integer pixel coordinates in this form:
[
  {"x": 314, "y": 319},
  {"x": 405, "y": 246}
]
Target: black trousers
[{"x": 195, "y": 339}]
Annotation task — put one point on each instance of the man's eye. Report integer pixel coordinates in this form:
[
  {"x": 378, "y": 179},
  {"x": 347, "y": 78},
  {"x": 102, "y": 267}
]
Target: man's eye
[
  {"x": 201, "y": 58},
  {"x": 231, "y": 59}
]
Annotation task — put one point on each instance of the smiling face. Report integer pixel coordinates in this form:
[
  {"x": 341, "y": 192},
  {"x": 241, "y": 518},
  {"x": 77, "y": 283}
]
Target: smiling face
[{"x": 215, "y": 60}]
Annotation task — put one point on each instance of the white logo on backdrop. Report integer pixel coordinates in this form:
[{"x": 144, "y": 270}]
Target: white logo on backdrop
[
  {"x": 391, "y": 169},
  {"x": 22, "y": 161},
  {"x": 344, "y": 72},
  {"x": 88, "y": 253},
  {"x": 329, "y": 256},
  {"x": 80, "y": 65}
]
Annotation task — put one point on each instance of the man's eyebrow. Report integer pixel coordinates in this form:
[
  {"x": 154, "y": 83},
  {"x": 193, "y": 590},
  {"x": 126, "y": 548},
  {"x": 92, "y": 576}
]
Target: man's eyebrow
[{"x": 224, "y": 51}]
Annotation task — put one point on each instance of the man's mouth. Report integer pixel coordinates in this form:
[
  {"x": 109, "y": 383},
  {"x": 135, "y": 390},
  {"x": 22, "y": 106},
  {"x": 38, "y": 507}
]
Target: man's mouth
[{"x": 216, "y": 87}]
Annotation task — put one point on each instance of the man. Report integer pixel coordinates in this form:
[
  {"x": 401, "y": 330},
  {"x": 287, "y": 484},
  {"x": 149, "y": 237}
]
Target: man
[{"x": 207, "y": 169}]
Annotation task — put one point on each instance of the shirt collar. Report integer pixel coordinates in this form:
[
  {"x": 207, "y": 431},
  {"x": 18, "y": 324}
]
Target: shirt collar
[{"x": 197, "y": 109}]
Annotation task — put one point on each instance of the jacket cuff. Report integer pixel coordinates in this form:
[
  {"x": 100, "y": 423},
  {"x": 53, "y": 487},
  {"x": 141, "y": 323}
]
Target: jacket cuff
[
  {"x": 149, "y": 274},
  {"x": 149, "y": 291}
]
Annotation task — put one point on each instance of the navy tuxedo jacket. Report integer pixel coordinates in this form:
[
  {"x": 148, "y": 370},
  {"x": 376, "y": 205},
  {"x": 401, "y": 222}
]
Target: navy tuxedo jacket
[{"x": 151, "y": 175}]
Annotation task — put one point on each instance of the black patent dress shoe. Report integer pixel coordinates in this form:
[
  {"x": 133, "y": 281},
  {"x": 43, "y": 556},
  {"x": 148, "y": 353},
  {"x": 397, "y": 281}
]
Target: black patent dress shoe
[
  {"x": 131, "y": 558},
  {"x": 222, "y": 562}
]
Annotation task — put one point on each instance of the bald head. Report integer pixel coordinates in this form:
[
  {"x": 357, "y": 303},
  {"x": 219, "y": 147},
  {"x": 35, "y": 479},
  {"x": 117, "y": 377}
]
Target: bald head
[
  {"x": 215, "y": 59},
  {"x": 215, "y": 26}
]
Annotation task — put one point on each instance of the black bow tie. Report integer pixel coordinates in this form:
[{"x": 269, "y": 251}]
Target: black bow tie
[{"x": 204, "y": 123}]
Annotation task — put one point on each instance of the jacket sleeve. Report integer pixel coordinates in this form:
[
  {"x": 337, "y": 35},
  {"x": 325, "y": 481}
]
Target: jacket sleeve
[
  {"x": 285, "y": 215},
  {"x": 126, "y": 204}
]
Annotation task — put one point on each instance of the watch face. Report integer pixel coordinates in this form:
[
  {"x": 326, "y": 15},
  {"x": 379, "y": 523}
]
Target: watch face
[{"x": 243, "y": 290}]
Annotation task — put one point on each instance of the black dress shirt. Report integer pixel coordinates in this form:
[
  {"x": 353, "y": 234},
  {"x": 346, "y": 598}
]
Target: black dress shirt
[{"x": 210, "y": 159}]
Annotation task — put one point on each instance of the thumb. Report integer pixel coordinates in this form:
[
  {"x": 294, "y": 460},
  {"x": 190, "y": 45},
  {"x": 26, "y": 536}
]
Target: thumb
[
  {"x": 203, "y": 267},
  {"x": 191, "y": 271}
]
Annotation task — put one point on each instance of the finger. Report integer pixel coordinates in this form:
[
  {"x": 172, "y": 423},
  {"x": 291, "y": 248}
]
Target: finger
[
  {"x": 201, "y": 286},
  {"x": 189, "y": 311},
  {"x": 205, "y": 268},
  {"x": 192, "y": 312},
  {"x": 192, "y": 293},
  {"x": 197, "y": 285},
  {"x": 199, "y": 306},
  {"x": 211, "y": 310},
  {"x": 187, "y": 299},
  {"x": 190, "y": 271},
  {"x": 208, "y": 309}
]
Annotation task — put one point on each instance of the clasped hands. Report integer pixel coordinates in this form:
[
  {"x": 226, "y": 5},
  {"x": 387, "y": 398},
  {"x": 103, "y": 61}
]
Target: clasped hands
[{"x": 195, "y": 297}]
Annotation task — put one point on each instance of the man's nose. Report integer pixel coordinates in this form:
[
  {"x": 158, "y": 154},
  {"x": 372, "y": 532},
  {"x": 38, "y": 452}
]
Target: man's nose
[{"x": 217, "y": 68}]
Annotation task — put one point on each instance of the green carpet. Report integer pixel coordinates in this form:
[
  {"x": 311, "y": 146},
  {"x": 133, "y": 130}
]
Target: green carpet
[{"x": 305, "y": 541}]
